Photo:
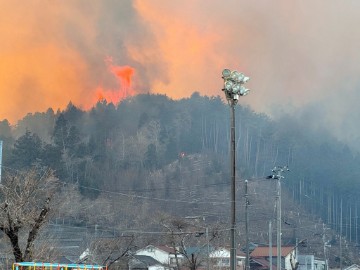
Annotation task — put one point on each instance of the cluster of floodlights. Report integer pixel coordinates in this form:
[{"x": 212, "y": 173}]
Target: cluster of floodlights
[{"x": 234, "y": 84}]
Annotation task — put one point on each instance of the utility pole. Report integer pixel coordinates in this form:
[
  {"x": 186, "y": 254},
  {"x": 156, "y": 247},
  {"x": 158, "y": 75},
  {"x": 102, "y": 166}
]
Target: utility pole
[
  {"x": 208, "y": 249},
  {"x": 350, "y": 221},
  {"x": 341, "y": 216},
  {"x": 277, "y": 174},
  {"x": 1, "y": 146},
  {"x": 247, "y": 261},
  {"x": 270, "y": 245},
  {"x": 325, "y": 246},
  {"x": 356, "y": 224},
  {"x": 278, "y": 237},
  {"x": 233, "y": 89},
  {"x": 207, "y": 238}
]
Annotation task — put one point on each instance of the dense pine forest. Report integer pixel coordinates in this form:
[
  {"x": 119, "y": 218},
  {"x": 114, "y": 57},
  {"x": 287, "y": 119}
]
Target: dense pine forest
[{"x": 151, "y": 154}]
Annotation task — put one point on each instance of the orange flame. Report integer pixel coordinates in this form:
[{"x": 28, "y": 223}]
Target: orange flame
[{"x": 123, "y": 76}]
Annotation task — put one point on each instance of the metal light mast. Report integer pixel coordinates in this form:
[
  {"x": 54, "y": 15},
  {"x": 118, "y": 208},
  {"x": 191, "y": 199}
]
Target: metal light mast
[
  {"x": 247, "y": 260},
  {"x": 233, "y": 89}
]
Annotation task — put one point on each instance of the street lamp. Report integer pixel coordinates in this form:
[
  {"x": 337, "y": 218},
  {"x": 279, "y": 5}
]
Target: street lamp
[{"x": 233, "y": 88}]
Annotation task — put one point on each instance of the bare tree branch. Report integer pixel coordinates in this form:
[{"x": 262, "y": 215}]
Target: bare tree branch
[{"x": 25, "y": 206}]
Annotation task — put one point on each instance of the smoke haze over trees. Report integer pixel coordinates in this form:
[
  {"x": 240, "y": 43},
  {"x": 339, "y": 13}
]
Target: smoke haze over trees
[
  {"x": 153, "y": 154},
  {"x": 138, "y": 151},
  {"x": 298, "y": 54}
]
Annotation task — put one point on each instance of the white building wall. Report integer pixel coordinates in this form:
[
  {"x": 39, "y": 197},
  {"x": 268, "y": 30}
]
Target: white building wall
[
  {"x": 308, "y": 262},
  {"x": 221, "y": 258},
  {"x": 287, "y": 263},
  {"x": 288, "y": 260},
  {"x": 156, "y": 267},
  {"x": 155, "y": 253},
  {"x": 220, "y": 253}
]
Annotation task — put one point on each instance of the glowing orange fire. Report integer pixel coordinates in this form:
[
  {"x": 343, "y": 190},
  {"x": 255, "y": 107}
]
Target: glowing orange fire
[{"x": 124, "y": 76}]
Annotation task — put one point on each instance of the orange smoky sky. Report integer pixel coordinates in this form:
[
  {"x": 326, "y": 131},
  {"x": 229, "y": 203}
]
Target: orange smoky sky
[
  {"x": 51, "y": 54},
  {"x": 297, "y": 53}
]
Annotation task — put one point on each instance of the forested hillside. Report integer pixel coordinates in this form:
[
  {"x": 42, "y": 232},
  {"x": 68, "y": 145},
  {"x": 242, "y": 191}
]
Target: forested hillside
[{"x": 150, "y": 154}]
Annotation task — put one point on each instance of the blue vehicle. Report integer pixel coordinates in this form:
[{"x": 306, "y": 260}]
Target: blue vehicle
[{"x": 54, "y": 266}]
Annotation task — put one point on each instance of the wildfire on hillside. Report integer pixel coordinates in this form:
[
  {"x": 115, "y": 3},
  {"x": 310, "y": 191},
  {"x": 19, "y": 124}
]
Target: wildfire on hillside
[{"x": 123, "y": 75}]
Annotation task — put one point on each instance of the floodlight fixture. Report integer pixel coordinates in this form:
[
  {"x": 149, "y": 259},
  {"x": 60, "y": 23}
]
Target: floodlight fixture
[
  {"x": 244, "y": 91},
  {"x": 245, "y": 79},
  {"x": 235, "y": 75},
  {"x": 226, "y": 73},
  {"x": 240, "y": 77},
  {"x": 233, "y": 84},
  {"x": 228, "y": 85},
  {"x": 236, "y": 88}
]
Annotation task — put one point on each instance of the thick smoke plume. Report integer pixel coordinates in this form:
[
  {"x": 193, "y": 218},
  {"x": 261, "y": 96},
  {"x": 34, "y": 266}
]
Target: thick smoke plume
[{"x": 299, "y": 54}]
